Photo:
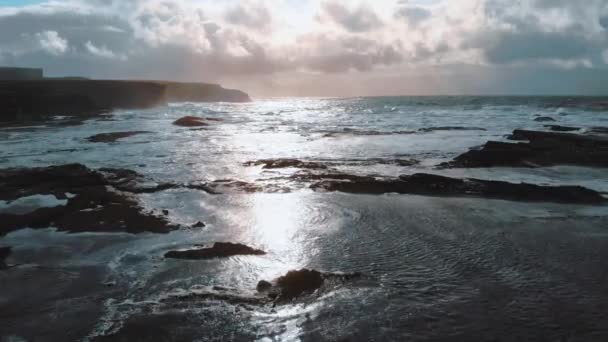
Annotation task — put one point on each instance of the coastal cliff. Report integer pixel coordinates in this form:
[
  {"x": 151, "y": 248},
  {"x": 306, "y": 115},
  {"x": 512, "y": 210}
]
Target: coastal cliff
[
  {"x": 23, "y": 100},
  {"x": 202, "y": 92}
]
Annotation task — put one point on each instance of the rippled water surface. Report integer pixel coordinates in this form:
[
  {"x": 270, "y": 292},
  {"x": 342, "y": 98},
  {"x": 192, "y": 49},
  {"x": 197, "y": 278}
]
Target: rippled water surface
[{"x": 435, "y": 269}]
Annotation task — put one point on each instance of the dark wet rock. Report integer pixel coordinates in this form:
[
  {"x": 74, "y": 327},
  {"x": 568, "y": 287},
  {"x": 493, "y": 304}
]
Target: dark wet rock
[
  {"x": 302, "y": 282},
  {"x": 434, "y": 185},
  {"x": 285, "y": 163},
  {"x": 309, "y": 177},
  {"x": 4, "y": 253},
  {"x": 558, "y": 128},
  {"x": 263, "y": 286},
  {"x": 451, "y": 128},
  {"x": 198, "y": 224},
  {"x": 190, "y": 121},
  {"x": 598, "y": 130},
  {"x": 165, "y": 212},
  {"x": 93, "y": 200},
  {"x": 538, "y": 149},
  {"x": 112, "y": 137},
  {"x": 219, "y": 250},
  {"x": 350, "y": 131},
  {"x": 544, "y": 119}
]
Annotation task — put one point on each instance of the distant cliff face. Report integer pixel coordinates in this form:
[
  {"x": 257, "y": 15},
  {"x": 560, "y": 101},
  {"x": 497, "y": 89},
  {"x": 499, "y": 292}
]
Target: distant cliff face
[
  {"x": 202, "y": 92},
  {"x": 27, "y": 100}
]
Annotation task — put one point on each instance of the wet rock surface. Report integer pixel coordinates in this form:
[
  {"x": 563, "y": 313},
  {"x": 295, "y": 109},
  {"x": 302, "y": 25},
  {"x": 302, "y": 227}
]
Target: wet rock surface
[
  {"x": 544, "y": 119},
  {"x": 451, "y": 128},
  {"x": 434, "y": 185},
  {"x": 113, "y": 137},
  {"x": 219, "y": 250},
  {"x": 4, "y": 253},
  {"x": 539, "y": 149},
  {"x": 191, "y": 121},
  {"x": 285, "y": 163},
  {"x": 558, "y": 128},
  {"x": 302, "y": 282},
  {"x": 94, "y": 202}
]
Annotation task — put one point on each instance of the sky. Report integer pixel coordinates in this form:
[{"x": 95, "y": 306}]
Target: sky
[{"x": 320, "y": 47}]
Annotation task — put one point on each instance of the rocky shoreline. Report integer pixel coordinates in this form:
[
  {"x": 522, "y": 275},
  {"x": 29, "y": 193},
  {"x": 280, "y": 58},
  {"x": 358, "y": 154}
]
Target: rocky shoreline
[{"x": 41, "y": 99}]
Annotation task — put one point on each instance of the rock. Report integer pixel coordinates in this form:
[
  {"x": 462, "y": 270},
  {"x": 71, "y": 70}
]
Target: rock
[
  {"x": 263, "y": 286},
  {"x": 544, "y": 119},
  {"x": 4, "y": 253},
  {"x": 112, "y": 137},
  {"x": 190, "y": 121},
  {"x": 165, "y": 212},
  {"x": 219, "y": 250},
  {"x": 539, "y": 149},
  {"x": 93, "y": 204},
  {"x": 198, "y": 224},
  {"x": 434, "y": 185},
  {"x": 451, "y": 128},
  {"x": 558, "y": 128},
  {"x": 285, "y": 163},
  {"x": 303, "y": 282}
]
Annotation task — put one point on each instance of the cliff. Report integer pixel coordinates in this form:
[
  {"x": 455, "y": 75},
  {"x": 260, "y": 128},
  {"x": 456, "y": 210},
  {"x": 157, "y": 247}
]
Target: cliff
[
  {"x": 202, "y": 92},
  {"x": 38, "y": 99}
]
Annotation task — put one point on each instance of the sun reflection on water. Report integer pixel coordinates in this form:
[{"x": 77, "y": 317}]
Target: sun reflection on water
[{"x": 278, "y": 224}]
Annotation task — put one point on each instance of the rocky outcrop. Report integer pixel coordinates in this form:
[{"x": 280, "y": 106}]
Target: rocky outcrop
[
  {"x": 202, "y": 92},
  {"x": 4, "y": 253},
  {"x": 544, "y": 119},
  {"x": 92, "y": 200},
  {"x": 302, "y": 282},
  {"x": 219, "y": 250},
  {"x": 285, "y": 163},
  {"x": 113, "y": 137},
  {"x": 434, "y": 185},
  {"x": 190, "y": 121},
  {"x": 558, "y": 128},
  {"x": 539, "y": 149}
]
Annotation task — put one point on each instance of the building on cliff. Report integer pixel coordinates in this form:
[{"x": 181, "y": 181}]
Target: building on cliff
[{"x": 20, "y": 74}]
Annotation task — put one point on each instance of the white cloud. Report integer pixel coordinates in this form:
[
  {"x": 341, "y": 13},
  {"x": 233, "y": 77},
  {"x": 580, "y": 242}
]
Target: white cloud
[
  {"x": 51, "y": 42},
  {"x": 102, "y": 51}
]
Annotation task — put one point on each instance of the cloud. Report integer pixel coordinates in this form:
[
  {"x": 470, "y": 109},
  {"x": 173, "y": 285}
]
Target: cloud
[
  {"x": 359, "y": 19},
  {"x": 252, "y": 15},
  {"x": 413, "y": 15},
  {"x": 269, "y": 42},
  {"x": 102, "y": 51},
  {"x": 51, "y": 42}
]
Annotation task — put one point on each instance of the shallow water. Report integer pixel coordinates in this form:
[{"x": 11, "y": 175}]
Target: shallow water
[{"x": 449, "y": 269}]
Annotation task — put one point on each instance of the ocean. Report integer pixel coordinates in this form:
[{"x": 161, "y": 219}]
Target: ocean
[{"x": 433, "y": 268}]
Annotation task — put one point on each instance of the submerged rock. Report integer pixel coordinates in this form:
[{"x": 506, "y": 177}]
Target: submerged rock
[
  {"x": 302, "y": 282},
  {"x": 190, "y": 121},
  {"x": 4, "y": 253},
  {"x": 112, "y": 137},
  {"x": 285, "y": 163},
  {"x": 544, "y": 119},
  {"x": 434, "y": 185},
  {"x": 451, "y": 128},
  {"x": 539, "y": 149},
  {"x": 93, "y": 200},
  {"x": 219, "y": 250}
]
